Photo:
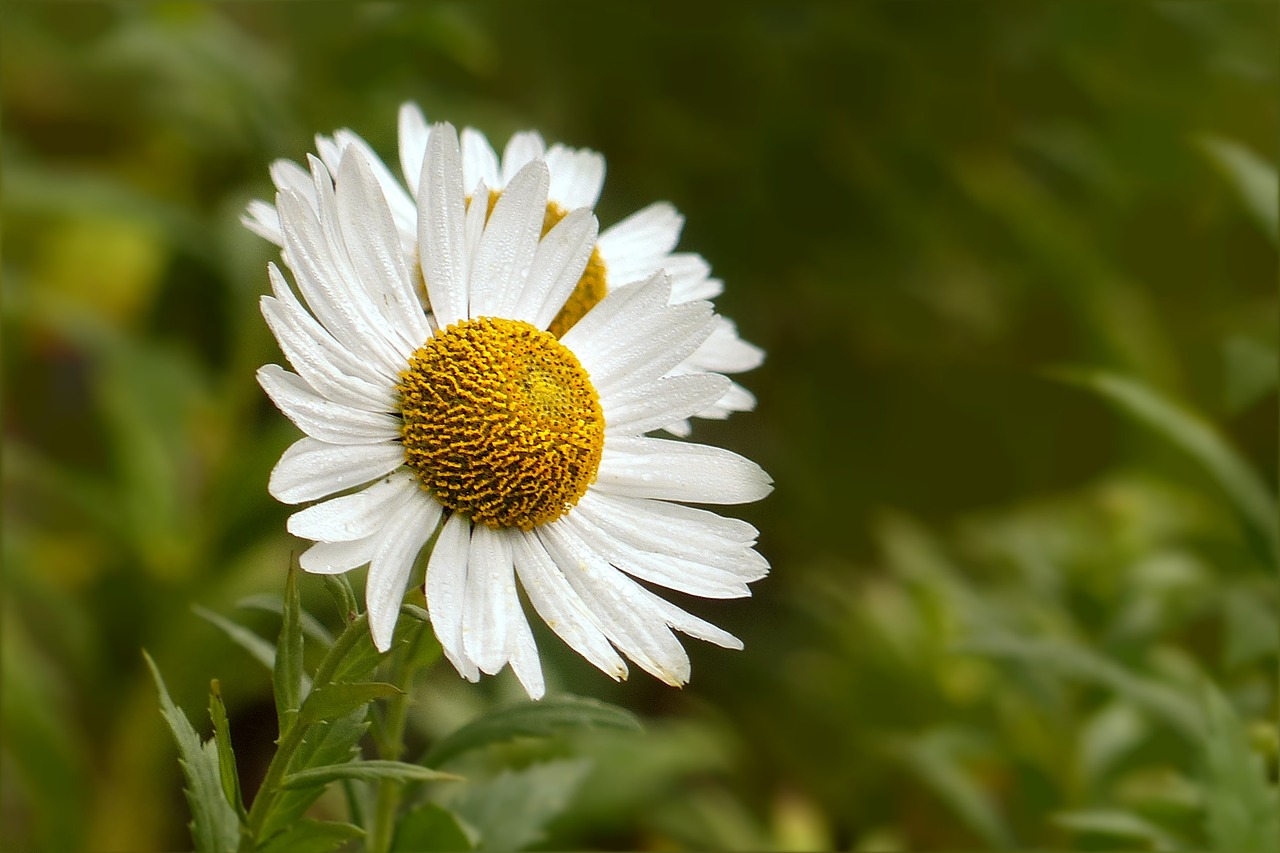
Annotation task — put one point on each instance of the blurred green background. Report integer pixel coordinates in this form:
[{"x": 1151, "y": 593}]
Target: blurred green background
[{"x": 996, "y": 600}]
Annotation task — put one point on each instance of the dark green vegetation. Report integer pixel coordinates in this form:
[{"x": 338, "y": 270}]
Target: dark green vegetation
[{"x": 1011, "y": 607}]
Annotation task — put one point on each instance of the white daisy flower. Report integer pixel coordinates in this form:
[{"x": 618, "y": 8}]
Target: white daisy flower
[
  {"x": 628, "y": 252},
  {"x": 453, "y": 408}
]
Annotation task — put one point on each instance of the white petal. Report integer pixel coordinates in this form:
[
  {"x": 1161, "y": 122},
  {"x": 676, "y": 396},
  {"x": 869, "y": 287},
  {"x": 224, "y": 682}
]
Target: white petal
[
  {"x": 311, "y": 469},
  {"x": 557, "y": 266},
  {"x": 629, "y": 619},
  {"x": 288, "y": 175},
  {"x": 441, "y": 211},
  {"x": 373, "y": 245},
  {"x": 446, "y": 591},
  {"x": 320, "y": 418},
  {"x": 522, "y": 149},
  {"x": 666, "y": 527},
  {"x": 333, "y": 558},
  {"x": 358, "y": 515},
  {"x": 642, "y": 408},
  {"x": 404, "y": 533},
  {"x": 639, "y": 467},
  {"x": 561, "y": 608},
  {"x": 690, "y": 278},
  {"x": 479, "y": 162},
  {"x": 636, "y": 247},
  {"x": 509, "y": 242},
  {"x": 522, "y": 651},
  {"x": 576, "y": 176},
  {"x": 403, "y": 209},
  {"x": 687, "y": 623},
  {"x": 413, "y": 134},
  {"x": 486, "y": 622},
  {"x": 261, "y": 218},
  {"x": 724, "y": 352}
]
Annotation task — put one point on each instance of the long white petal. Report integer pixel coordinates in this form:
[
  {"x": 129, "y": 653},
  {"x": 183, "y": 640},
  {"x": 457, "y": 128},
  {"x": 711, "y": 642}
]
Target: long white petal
[
  {"x": 332, "y": 558},
  {"x": 479, "y": 162},
  {"x": 647, "y": 407},
  {"x": 509, "y": 242},
  {"x": 321, "y": 418},
  {"x": 357, "y": 515},
  {"x": 659, "y": 525},
  {"x": 557, "y": 266},
  {"x": 635, "y": 248},
  {"x": 413, "y": 133},
  {"x": 401, "y": 203},
  {"x": 405, "y": 531},
  {"x": 522, "y": 149},
  {"x": 724, "y": 352},
  {"x": 261, "y": 218},
  {"x": 690, "y": 278},
  {"x": 522, "y": 651},
  {"x": 446, "y": 591},
  {"x": 441, "y": 209},
  {"x": 563, "y": 609},
  {"x": 311, "y": 469},
  {"x": 577, "y": 176},
  {"x": 486, "y": 622},
  {"x": 640, "y": 467}
]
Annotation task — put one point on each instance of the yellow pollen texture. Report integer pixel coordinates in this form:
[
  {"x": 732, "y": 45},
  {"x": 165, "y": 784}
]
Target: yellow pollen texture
[
  {"x": 590, "y": 289},
  {"x": 501, "y": 423}
]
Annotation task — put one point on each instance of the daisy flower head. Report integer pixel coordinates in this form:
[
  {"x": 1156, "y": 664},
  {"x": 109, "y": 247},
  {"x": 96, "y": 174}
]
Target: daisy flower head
[
  {"x": 436, "y": 402},
  {"x": 628, "y": 252}
]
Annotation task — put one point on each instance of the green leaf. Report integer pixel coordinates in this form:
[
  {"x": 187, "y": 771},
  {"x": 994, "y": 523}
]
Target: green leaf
[
  {"x": 1249, "y": 625},
  {"x": 214, "y": 825},
  {"x": 1118, "y": 824},
  {"x": 336, "y": 700},
  {"x": 1251, "y": 370},
  {"x": 287, "y": 671},
  {"x": 1165, "y": 702},
  {"x": 312, "y": 836},
  {"x": 1252, "y": 177},
  {"x": 324, "y": 742},
  {"x": 430, "y": 828},
  {"x": 311, "y": 626},
  {"x": 1198, "y": 439},
  {"x": 261, "y": 650},
  {"x": 936, "y": 758},
  {"x": 1242, "y": 811},
  {"x": 533, "y": 719},
  {"x": 343, "y": 596},
  {"x": 512, "y": 810},
  {"x": 226, "y": 755},
  {"x": 368, "y": 771}
]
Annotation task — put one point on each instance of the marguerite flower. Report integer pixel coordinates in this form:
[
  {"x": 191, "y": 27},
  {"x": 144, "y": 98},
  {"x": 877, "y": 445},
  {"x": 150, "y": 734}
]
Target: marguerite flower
[
  {"x": 630, "y": 251},
  {"x": 450, "y": 407}
]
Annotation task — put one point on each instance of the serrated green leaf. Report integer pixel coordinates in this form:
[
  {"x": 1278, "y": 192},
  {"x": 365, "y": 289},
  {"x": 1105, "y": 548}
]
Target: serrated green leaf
[
  {"x": 1242, "y": 810},
  {"x": 533, "y": 719},
  {"x": 368, "y": 771},
  {"x": 227, "y": 769},
  {"x": 336, "y": 700},
  {"x": 512, "y": 810},
  {"x": 312, "y": 836},
  {"x": 1195, "y": 437},
  {"x": 311, "y": 626},
  {"x": 1168, "y": 704},
  {"x": 324, "y": 742},
  {"x": 214, "y": 825},
  {"x": 286, "y": 674},
  {"x": 430, "y": 828}
]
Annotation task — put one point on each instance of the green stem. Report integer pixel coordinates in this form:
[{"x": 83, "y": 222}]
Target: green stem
[
  {"x": 292, "y": 737},
  {"x": 391, "y": 748}
]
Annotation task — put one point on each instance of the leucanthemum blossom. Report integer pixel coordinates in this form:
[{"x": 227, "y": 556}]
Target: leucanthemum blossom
[
  {"x": 435, "y": 402},
  {"x": 627, "y": 252}
]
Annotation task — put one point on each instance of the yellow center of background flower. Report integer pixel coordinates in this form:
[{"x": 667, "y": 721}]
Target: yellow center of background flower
[
  {"x": 501, "y": 423},
  {"x": 590, "y": 289}
]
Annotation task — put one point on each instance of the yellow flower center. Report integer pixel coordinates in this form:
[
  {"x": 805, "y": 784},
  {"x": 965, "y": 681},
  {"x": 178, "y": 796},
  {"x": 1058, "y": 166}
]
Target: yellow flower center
[
  {"x": 590, "y": 289},
  {"x": 501, "y": 423}
]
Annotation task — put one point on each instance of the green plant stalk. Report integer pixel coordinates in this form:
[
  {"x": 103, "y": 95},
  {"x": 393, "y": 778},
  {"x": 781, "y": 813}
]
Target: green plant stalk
[
  {"x": 391, "y": 747},
  {"x": 292, "y": 738}
]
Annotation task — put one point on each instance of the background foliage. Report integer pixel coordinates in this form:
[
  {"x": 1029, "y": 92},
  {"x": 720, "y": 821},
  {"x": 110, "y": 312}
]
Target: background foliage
[{"x": 1006, "y": 610}]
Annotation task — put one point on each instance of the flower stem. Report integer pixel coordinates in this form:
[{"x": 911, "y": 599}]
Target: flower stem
[
  {"x": 291, "y": 738},
  {"x": 391, "y": 748}
]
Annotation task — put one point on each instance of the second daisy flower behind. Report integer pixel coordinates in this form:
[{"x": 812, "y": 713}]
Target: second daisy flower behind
[{"x": 464, "y": 414}]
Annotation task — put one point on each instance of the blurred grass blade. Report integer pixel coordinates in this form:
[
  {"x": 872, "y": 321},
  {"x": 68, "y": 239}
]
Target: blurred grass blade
[
  {"x": 214, "y": 825},
  {"x": 935, "y": 758},
  {"x": 368, "y": 771},
  {"x": 1252, "y": 177},
  {"x": 261, "y": 650},
  {"x": 1241, "y": 809},
  {"x": 311, "y": 626},
  {"x": 430, "y": 828},
  {"x": 535, "y": 719},
  {"x": 312, "y": 836},
  {"x": 1200, "y": 440},
  {"x": 287, "y": 670},
  {"x": 512, "y": 810},
  {"x": 1118, "y": 824},
  {"x": 1172, "y": 706},
  {"x": 227, "y": 768}
]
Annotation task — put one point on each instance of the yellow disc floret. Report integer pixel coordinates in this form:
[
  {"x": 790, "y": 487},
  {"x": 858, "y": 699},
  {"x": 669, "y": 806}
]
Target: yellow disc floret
[{"x": 501, "y": 423}]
